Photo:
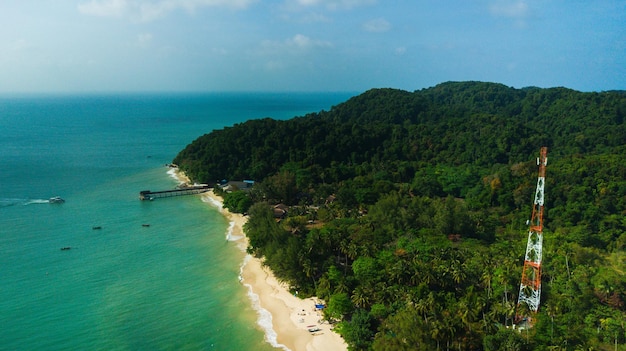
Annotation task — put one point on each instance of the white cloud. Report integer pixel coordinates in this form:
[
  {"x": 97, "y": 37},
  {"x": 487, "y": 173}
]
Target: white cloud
[
  {"x": 308, "y": 2},
  {"x": 149, "y": 10},
  {"x": 317, "y": 11},
  {"x": 297, "y": 51},
  {"x": 295, "y": 44},
  {"x": 517, "y": 11},
  {"x": 300, "y": 41},
  {"x": 334, "y": 4},
  {"x": 511, "y": 9},
  {"x": 107, "y": 8},
  {"x": 378, "y": 25},
  {"x": 315, "y": 17}
]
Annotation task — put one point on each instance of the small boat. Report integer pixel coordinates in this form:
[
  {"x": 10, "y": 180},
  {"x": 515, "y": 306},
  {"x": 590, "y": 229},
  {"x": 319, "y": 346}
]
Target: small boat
[
  {"x": 66, "y": 248},
  {"x": 96, "y": 227},
  {"x": 56, "y": 200},
  {"x": 145, "y": 225}
]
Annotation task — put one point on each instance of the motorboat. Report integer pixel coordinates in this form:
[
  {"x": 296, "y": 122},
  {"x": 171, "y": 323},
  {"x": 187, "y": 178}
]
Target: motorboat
[{"x": 56, "y": 200}]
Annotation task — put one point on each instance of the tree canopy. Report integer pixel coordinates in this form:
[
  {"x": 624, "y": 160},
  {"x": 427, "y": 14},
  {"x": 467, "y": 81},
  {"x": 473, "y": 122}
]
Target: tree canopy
[{"x": 407, "y": 212}]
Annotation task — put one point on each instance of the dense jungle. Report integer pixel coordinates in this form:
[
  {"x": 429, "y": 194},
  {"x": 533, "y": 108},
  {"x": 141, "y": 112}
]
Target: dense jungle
[{"x": 406, "y": 212}]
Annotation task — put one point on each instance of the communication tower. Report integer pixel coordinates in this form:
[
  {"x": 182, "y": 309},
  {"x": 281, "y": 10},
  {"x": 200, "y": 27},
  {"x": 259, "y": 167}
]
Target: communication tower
[{"x": 530, "y": 286}]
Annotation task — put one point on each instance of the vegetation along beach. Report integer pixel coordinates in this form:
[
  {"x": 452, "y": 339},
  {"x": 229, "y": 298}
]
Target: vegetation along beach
[
  {"x": 288, "y": 321},
  {"x": 407, "y": 213}
]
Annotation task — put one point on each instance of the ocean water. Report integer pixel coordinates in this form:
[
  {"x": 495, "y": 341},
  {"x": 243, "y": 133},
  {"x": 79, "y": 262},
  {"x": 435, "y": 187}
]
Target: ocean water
[{"x": 172, "y": 285}]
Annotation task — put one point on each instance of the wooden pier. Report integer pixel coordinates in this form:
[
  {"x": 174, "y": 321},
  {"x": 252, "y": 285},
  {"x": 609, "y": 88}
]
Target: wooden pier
[{"x": 151, "y": 195}]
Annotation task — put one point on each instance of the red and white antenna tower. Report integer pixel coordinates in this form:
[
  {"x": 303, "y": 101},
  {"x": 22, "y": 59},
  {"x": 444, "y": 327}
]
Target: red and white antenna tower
[{"x": 530, "y": 287}]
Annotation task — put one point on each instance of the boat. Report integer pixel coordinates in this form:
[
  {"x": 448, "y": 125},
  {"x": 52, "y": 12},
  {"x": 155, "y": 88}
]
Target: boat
[
  {"x": 96, "y": 227},
  {"x": 56, "y": 200},
  {"x": 66, "y": 248},
  {"x": 145, "y": 225}
]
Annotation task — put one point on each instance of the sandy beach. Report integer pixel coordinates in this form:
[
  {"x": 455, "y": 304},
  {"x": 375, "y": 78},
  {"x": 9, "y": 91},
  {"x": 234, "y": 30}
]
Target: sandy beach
[{"x": 291, "y": 317}]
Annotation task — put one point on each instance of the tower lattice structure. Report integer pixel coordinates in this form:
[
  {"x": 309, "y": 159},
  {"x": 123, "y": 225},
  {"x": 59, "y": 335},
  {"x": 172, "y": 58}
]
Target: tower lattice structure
[{"x": 530, "y": 286}]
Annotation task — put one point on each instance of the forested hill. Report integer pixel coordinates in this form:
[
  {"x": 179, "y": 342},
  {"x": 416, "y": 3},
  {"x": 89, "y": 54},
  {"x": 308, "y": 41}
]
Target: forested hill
[
  {"x": 452, "y": 123},
  {"x": 406, "y": 212}
]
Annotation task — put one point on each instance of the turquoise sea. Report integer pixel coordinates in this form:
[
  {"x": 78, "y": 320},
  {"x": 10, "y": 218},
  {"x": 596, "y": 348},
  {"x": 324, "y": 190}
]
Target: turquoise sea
[{"x": 171, "y": 285}]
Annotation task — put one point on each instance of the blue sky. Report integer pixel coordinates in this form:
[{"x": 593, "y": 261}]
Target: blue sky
[{"x": 308, "y": 45}]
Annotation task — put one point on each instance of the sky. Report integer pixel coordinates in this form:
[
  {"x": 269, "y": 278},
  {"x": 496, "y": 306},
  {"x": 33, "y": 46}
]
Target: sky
[{"x": 308, "y": 45}]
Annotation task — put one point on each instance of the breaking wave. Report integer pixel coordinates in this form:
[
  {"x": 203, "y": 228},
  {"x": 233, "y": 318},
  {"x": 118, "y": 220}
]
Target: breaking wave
[{"x": 265, "y": 317}]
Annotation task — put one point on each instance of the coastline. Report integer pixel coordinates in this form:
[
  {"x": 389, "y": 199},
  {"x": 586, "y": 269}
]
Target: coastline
[{"x": 284, "y": 318}]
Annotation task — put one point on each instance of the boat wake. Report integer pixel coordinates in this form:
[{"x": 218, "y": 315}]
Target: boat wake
[
  {"x": 37, "y": 201},
  {"x": 7, "y": 202}
]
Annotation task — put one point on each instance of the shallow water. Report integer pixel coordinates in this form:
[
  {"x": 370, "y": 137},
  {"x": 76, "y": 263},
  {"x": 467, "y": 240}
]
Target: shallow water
[{"x": 170, "y": 285}]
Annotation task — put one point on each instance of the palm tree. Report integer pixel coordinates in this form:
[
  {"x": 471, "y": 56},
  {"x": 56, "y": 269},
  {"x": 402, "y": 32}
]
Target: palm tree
[
  {"x": 342, "y": 287},
  {"x": 396, "y": 272},
  {"x": 426, "y": 306},
  {"x": 551, "y": 310},
  {"x": 486, "y": 278},
  {"x": 458, "y": 272},
  {"x": 470, "y": 306},
  {"x": 505, "y": 308},
  {"x": 309, "y": 271},
  {"x": 360, "y": 297},
  {"x": 436, "y": 329},
  {"x": 448, "y": 328},
  {"x": 344, "y": 248},
  {"x": 421, "y": 272}
]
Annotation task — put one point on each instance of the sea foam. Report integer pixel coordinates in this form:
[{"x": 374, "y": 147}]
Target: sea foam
[
  {"x": 229, "y": 233},
  {"x": 213, "y": 202},
  {"x": 265, "y": 317},
  {"x": 172, "y": 172}
]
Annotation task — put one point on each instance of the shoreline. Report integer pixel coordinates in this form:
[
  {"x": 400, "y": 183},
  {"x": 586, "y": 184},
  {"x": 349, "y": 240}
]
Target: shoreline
[{"x": 283, "y": 317}]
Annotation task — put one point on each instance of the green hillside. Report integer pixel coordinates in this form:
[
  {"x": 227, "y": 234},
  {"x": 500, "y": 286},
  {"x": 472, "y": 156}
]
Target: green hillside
[{"x": 407, "y": 212}]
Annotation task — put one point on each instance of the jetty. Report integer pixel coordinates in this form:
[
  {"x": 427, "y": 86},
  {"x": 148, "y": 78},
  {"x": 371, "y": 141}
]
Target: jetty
[{"x": 191, "y": 190}]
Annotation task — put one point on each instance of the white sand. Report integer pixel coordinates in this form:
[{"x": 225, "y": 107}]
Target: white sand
[{"x": 291, "y": 316}]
